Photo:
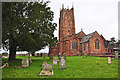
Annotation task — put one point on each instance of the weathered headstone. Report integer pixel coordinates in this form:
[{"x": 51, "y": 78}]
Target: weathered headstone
[
  {"x": 48, "y": 67},
  {"x": 25, "y": 62},
  {"x": 55, "y": 61},
  {"x": 62, "y": 61},
  {"x": 47, "y": 70},
  {"x": 109, "y": 60},
  {"x": 116, "y": 55}
]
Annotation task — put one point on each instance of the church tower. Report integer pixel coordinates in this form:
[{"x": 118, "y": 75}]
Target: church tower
[{"x": 66, "y": 22}]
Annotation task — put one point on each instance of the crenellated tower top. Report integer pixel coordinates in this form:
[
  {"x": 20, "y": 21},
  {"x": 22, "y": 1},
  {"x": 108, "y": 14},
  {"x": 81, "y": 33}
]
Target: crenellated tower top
[{"x": 66, "y": 22}]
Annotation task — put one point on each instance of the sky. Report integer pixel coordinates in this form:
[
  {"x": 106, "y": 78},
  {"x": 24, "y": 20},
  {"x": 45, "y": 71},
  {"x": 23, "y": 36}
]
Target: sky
[{"x": 90, "y": 15}]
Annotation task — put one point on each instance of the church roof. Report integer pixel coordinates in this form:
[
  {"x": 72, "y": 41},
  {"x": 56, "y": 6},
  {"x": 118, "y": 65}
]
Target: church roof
[
  {"x": 68, "y": 36},
  {"x": 86, "y": 37}
]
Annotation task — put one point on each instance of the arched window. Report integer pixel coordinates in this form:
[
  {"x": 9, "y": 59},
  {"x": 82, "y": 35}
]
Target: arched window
[
  {"x": 74, "y": 44},
  {"x": 97, "y": 44}
]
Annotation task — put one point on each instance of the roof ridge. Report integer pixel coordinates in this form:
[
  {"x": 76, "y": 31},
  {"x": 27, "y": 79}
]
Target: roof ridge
[{"x": 86, "y": 37}]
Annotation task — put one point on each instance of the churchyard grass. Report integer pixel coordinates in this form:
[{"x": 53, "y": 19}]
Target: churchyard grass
[{"x": 76, "y": 67}]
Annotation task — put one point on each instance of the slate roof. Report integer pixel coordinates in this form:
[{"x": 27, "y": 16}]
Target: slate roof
[
  {"x": 68, "y": 36},
  {"x": 86, "y": 37}
]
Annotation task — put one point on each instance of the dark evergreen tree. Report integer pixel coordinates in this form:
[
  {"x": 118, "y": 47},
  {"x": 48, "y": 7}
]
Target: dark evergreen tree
[{"x": 27, "y": 26}]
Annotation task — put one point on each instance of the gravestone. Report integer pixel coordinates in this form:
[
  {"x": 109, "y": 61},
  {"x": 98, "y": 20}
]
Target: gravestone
[
  {"x": 109, "y": 60},
  {"x": 47, "y": 70},
  {"x": 51, "y": 56},
  {"x": 25, "y": 62},
  {"x": 62, "y": 61},
  {"x": 116, "y": 55},
  {"x": 47, "y": 67},
  {"x": 55, "y": 61}
]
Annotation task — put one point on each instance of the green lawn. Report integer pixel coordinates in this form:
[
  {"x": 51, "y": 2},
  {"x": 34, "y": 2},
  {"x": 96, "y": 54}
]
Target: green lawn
[{"x": 77, "y": 67}]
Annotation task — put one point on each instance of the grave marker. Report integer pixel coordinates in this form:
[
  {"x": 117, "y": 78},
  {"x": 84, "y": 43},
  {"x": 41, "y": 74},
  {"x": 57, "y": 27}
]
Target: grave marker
[
  {"x": 47, "y": 70},
  {"x": 109, "y": 60},
  {"x": 55, "y": 61},
  {"x": 116, "y": 55},
  {"x": 62, "y": 61},
  {"x": 25, "y": 62},
  {"x": 48, "y": 67}
]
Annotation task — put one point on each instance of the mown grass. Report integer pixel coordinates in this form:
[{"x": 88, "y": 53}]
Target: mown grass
[{"x": 77, "y": 67}]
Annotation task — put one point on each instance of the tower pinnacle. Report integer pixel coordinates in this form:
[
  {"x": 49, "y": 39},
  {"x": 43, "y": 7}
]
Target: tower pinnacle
[
  {"x": 62, "y": 6},
  {"x": 72, "y": 5}
]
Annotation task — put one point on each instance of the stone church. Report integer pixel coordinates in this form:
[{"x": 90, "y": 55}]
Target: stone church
[{"x": 77, "y": 44}]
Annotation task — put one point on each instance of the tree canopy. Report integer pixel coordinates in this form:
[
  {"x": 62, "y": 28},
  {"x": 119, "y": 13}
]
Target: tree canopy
[{"x": 27, "y": 26}]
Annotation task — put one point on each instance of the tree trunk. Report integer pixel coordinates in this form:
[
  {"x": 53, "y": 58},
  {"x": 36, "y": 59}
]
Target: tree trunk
[
  {"x": 29, "y": 57},
  {"x": 12, "y": 50},
  {"x": 33, "y": 53}
]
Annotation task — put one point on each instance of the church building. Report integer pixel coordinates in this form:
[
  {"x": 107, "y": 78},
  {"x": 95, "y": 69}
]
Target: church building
[{"x": 77, "y": 44}]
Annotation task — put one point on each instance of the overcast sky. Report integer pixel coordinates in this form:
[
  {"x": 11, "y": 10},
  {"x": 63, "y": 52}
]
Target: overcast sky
[{"x": 90, "y": 15}]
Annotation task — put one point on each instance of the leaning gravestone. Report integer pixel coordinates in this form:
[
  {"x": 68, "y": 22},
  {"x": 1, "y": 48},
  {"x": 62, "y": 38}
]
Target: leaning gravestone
[
  {"x": 109, "y": 60},
  {"x": 25, "y": 62},
  {"x": 62, "y": 61},
  {"x": 55, "y": 61}
]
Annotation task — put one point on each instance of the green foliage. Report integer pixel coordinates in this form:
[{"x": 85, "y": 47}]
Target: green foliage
[
  {"x": 112, "y": 42},
  {"x": 76, "y": 67},
  {"x": 27, "y": 25}
]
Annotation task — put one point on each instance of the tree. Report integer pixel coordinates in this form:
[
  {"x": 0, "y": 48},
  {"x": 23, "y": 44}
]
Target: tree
[
  {"x": 28, "y": 26},
  {"x": 112, "y": 42}
]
